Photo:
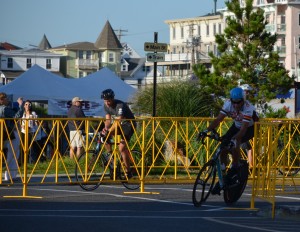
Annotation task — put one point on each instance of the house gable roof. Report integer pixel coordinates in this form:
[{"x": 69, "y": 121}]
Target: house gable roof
[
  {"x": 78, "y": 46},
  {"x": 44, "y": 44},
  {"x": 107, "y": 40},
  {"x": 134, "y": 65},
  {"x": 8, "y": 46}
]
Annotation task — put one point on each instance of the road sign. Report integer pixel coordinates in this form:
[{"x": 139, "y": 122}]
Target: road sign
[
  {"x": 155, "y": 57},
  {"x": 156, "y": 47}
]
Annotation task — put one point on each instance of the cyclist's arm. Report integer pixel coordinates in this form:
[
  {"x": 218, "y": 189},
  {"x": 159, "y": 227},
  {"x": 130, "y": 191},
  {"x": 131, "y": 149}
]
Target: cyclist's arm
[
  {"x": 114, "y": 125},
  {"x": 216, "y": 122},
  {"x": 107, "y": 122}
]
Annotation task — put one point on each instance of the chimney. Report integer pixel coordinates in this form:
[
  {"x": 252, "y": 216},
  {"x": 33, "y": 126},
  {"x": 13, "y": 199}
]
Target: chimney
[{"x": 215, "y": 7}]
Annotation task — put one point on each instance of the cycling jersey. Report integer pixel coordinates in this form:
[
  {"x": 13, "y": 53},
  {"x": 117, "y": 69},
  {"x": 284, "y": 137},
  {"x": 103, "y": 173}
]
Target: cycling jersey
[
  {"x": 243, "y": 115},
  {"x": 120, "y": 108}
]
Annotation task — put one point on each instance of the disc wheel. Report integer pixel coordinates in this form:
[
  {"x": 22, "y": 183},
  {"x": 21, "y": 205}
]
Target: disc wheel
[
  {"x": 236, "y": 186},
  {"x": 132, "y": 182},
  {"x": 89, "y": 171},
  {"x": 204, "y": 183}
]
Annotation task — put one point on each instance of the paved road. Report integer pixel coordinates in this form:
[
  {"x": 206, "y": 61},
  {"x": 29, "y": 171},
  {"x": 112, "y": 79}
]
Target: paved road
[{"x": 109, "y": 208}]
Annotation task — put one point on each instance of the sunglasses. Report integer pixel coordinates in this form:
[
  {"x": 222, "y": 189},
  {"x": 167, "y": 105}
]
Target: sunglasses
[
  {"x": 236, "y": 102},
  {"x": 27, "y": 104}
]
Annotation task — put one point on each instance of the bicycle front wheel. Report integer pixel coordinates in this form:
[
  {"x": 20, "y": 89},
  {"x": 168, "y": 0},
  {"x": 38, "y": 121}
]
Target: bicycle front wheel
[
  {"x": 89, "y": 171},
  {"x": 204, "y": 183},
  {"x": 234, "y": 190},
  {"x": 131, "y": 182}
]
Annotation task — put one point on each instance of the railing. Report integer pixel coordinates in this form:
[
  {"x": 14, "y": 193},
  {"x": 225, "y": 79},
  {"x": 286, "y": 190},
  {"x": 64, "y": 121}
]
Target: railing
[
  {"x": 167, "y": 144},
  {"x": 87, "y": 63}
]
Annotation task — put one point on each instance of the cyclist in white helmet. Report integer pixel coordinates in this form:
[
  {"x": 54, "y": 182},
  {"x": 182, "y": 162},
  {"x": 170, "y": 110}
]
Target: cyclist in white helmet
[
  {"x": 241, "y": 131},
  {"x": 247, "y": 88}
]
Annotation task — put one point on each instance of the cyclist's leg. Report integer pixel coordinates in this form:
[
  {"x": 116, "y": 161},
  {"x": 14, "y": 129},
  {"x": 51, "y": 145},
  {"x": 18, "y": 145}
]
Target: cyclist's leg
[
  {"x": 126, "y": 133},
  {"x": 225, "y": 141}
]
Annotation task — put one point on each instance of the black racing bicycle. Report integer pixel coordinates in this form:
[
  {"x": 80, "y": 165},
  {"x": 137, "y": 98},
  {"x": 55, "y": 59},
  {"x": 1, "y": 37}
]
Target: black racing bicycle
[
  {"x": 96, "y": 166},
  {"x": 233, "y": 185}
]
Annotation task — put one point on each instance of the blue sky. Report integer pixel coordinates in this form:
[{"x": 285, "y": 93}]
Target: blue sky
[{"x": 24, "y": 22}]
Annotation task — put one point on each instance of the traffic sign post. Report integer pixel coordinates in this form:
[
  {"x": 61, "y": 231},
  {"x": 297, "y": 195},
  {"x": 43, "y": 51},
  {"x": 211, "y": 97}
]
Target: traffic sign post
[
  {"x": 155, "y": 57},
  {"x": 156, "y": 47}
]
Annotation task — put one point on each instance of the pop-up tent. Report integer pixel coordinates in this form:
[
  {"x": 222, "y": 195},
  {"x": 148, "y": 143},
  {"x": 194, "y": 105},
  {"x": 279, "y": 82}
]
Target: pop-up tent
[{"x": 38, "y": 84}]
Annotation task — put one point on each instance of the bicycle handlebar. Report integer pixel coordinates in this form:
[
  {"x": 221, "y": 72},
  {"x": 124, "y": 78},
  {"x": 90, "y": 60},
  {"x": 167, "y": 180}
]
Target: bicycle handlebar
[{"x": 215, "y": 136}]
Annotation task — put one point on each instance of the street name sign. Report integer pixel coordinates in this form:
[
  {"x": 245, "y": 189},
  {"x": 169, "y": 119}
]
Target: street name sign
[
  {"x": 155, "y": 57},
  {"x": 156, "y": 47}
]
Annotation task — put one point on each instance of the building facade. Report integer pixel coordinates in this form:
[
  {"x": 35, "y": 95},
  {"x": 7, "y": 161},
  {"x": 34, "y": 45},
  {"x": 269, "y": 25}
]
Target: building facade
[
  {"x": 83, "y": 58},
  {"x": 192, "y": 39},
  {"x": 16, "y": 62}
]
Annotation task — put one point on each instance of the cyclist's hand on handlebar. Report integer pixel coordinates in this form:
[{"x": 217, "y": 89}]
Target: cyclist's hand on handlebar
[{"x": 104, "y": 132}]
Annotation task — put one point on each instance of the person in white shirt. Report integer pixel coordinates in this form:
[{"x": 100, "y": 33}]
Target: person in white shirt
[{"x": 32, "y": 127}]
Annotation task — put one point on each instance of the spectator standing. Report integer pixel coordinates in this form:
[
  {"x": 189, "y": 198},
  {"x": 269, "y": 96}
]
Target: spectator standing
[
  {"x": 13, "y": 148},
  {"x": 31, "y": 116},
  {"x": 76, "y": 127}
]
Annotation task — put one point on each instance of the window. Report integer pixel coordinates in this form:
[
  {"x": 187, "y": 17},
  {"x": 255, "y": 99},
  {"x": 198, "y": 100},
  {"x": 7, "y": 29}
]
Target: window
[
  {"x": 146, "y": 68},
  {"x": 88, "y": 55},
  {"x": 80, "y": 74},
  {"x": 174, "y": 33},
  {"x": 124, "y": 68},
  {"x": 111, "y": 57},
  {"x": 299, "y": 19},
  {"x": 182, "y": 49},
  {"x": 207, "y": 30},
  {"x": 215, "y": 29},
  {"x": 10, "y": 63},
  {"x": 282, "y": 19},
  {"x": 220, "y": 28},
  {"x": 182, "y": 32},
  {"x": 174, "y": 50},
  {"x": 28, "y": 63},
  {"x": 48, "y": 64},
  {"x": 207, "y": 49},
  {"x": 199, "y": 30},
  {"x": 299, "y": 42},
  {"x": 80, "y": 54}
]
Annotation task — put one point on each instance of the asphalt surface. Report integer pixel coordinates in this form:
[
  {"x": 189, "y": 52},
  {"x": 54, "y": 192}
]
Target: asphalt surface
[{"x": 159, "y": 208}]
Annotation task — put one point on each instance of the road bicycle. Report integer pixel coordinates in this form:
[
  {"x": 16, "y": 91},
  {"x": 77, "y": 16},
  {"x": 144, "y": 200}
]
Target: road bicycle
[
  {"x": 96, "y": 165},
  {"x": 232, "y": 185}
]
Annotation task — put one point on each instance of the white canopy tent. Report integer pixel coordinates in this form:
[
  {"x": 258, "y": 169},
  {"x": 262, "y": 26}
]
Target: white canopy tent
[{"x": 38, "y": 84}]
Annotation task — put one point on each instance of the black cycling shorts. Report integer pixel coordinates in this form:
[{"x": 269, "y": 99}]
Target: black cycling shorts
[{"x": 233, "y": 130}]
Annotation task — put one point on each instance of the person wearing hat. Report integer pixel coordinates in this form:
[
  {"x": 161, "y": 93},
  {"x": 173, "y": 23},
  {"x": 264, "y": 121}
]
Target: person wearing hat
[
  {"x": 11, "y": 141},
  {"x": 76, "y": 127}
]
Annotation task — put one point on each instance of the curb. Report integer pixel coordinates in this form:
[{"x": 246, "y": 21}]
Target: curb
[{"x": 281, "y": 211}]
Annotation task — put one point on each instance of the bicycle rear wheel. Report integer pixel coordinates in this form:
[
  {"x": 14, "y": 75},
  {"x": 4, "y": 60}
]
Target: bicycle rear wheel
[
  {"x": 234, "y": 190},
  {"x": 204, "y": 183},
  {"x": 89, "y": 171},
  {"x": 132, "y": 182}
]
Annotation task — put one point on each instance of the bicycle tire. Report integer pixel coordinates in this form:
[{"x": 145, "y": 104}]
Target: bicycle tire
[
  {"x": 205, "y": 181},
  {"x": 96, "y": 170},
  {"x": 233, "y": 193},
  {"x": 132, "y": 183}
]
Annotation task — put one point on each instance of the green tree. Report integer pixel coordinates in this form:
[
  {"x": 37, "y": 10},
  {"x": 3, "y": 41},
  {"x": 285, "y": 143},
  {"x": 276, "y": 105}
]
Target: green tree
[{"x": 246, "y": 55}]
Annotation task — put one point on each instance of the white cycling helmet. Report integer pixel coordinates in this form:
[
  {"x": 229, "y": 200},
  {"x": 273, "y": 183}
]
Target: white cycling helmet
[{"x": 246, "y": 87}]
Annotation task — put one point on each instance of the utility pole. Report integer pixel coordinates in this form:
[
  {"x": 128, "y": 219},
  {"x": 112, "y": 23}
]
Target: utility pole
[
  {"x": 119, "y": 33},
  {"x": 192, "y": 42}
]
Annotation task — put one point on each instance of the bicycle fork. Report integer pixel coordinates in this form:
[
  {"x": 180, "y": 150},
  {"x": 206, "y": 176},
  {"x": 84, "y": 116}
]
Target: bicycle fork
[{"x": 220, "y": 172}]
